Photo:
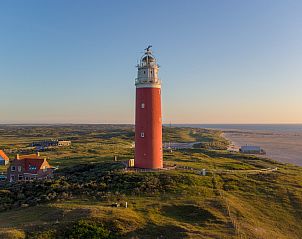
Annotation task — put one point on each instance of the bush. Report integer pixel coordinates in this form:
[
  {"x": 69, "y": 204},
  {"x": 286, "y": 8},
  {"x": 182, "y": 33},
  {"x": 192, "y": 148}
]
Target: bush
[
  {"x": 12, "y": 234},
  {"x": 50, "y": 234},
  {"x": 86, "y": 229}
]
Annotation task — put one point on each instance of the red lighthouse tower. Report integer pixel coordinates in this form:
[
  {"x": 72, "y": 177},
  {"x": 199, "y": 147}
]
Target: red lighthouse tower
[{"x": 148, "y": 118}]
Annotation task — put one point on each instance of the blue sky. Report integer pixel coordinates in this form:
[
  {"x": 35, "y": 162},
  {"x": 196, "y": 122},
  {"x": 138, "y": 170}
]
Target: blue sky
[{"x": 232, "y": 61}]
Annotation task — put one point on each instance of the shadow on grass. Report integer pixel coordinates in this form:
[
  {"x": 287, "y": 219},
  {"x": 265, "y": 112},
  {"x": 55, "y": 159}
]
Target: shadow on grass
[
  {"x": 151, "y": 231},
  {"x": 188, "y": 213}
]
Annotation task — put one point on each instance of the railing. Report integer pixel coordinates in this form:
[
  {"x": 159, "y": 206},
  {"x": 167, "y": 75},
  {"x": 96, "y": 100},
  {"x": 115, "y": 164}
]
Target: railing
[{"x": 137, "y": 81}]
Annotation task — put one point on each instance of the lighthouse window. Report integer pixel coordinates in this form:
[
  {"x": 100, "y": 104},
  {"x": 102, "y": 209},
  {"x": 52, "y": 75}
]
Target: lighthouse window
[
  {"x": 142, "y": 134},
  {"x": 143, "y": 106},
  {"x": 144, "y": 72}
]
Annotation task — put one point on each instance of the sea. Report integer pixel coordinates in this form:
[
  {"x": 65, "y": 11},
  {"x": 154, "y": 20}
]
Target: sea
[{"x": 282, "y": 142}]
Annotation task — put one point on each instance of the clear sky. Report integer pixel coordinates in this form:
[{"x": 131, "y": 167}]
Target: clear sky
[{"x": 73, "y": 61}]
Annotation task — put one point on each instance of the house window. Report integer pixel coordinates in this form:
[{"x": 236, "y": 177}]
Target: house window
[
  {"x": 12, "y": 178},
  {"x": 31, "y": 167},
  {"x": 13, "y": 168},
  {"x": 20, "y": 177},
  {"x": 142, "y": 105},
  {"x": 19, "y": 168},
  {"x": 144, "y": 72},
  {"x": 142, "y": 134},
  {"x": 26, "y": 178}
]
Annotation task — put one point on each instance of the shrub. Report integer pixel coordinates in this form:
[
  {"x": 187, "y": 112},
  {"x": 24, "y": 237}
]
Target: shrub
[
  {"x": 86, "y": 229},
  {"x": 12, "y": 234}
]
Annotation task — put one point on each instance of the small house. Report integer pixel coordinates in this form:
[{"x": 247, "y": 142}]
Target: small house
[
  {"x": 4, "y": 160},
  {"x": 64, "y": 143},
  {"x": 29, "y": 167}
]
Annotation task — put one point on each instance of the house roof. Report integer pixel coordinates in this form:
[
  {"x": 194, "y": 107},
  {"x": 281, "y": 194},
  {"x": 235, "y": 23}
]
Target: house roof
[
  {"x": 3, "y": 155},
  {"x": 32, "y": 163}
]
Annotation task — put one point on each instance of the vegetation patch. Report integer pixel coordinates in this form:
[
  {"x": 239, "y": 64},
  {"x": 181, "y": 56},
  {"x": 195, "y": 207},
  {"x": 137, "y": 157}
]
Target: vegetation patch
[
  {"x": 11, "y": 233},
  {"x": 89, "y": 193},
  {"x": 82, "y": 229},
  {"x": 89, "y": 229}
]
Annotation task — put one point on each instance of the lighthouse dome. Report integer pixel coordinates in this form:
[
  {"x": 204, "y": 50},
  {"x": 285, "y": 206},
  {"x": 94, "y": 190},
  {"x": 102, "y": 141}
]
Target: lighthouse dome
[{"x": 148, "y": 59}]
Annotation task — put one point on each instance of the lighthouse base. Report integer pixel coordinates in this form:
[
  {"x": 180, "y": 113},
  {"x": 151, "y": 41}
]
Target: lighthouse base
[{"x": 164, "y": 168}]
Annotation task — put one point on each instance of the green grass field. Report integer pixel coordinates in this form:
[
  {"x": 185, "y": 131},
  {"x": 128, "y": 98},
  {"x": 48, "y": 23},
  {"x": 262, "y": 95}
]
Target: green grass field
[{"x": 178, "y": 203}]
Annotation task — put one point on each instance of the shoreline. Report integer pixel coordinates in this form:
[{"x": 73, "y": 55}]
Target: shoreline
[{"x": 283, "y": 147}]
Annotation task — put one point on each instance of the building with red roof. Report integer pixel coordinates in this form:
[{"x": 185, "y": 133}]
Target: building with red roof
[
  {"x": 29, "y": 167},
  {"x": 4, "y": 160}
]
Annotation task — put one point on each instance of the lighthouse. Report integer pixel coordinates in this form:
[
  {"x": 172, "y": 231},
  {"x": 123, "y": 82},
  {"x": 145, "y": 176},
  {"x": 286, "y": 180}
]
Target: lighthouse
[{"x": 148, "y": 116}]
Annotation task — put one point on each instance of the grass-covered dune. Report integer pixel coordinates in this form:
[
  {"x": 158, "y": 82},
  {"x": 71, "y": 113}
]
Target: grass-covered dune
[{"x": 234, "y": 200}]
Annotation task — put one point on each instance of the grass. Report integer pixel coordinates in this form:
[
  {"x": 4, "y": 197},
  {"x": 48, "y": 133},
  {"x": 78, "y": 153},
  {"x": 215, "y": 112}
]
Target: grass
[{"x": 170, "y": 204}]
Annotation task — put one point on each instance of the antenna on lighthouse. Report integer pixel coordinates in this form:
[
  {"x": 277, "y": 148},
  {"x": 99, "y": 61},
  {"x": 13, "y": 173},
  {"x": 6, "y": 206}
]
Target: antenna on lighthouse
[{"x": 148, "y": 51}]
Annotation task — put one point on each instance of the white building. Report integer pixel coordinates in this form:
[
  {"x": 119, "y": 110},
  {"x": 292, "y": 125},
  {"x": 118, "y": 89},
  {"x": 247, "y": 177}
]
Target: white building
[
  {"x": 64, "y": 143},
  {"x": 248, "y": 149}
]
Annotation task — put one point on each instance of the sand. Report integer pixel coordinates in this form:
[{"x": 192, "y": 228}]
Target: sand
[{"x": 285, "y": 147}]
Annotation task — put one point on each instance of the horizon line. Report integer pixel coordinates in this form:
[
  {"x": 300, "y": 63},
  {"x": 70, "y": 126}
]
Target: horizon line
[{"x": 79, "y": 123}]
